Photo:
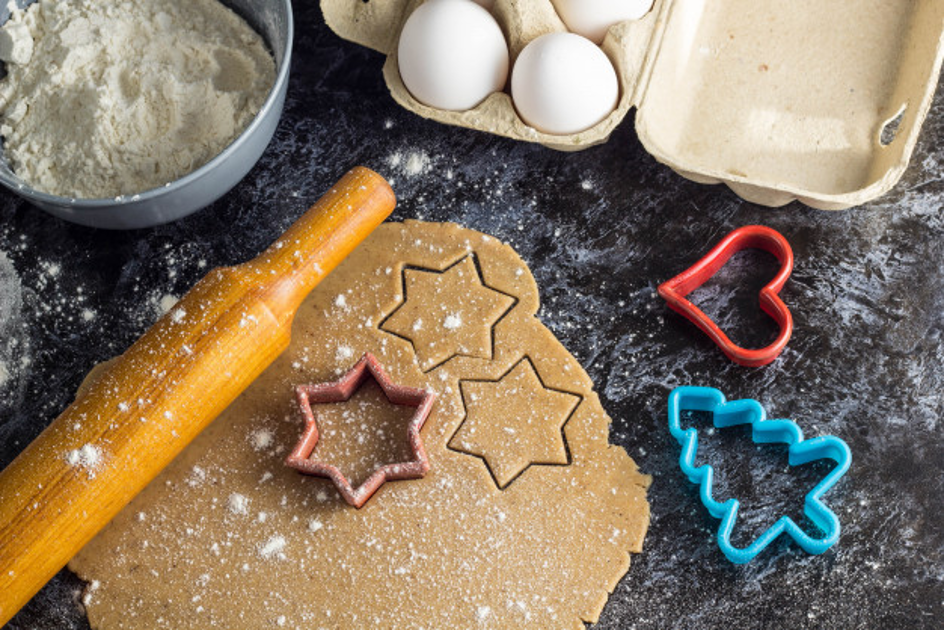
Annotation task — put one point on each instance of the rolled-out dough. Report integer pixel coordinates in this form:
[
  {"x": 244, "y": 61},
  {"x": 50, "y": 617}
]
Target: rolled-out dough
[{"x": 526, "y": 519}]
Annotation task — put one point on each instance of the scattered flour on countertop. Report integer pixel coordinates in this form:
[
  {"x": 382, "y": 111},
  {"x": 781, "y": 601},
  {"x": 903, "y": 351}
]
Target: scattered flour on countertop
[
  {"x": 11, "y": 323},
  {"x": 417, "y": 163},
  {"x": 165, "y": 303},
  {"x": 412, "y": 163},
  {"x": 106, "y": 99},
  {"x": 9, "y": 314}
]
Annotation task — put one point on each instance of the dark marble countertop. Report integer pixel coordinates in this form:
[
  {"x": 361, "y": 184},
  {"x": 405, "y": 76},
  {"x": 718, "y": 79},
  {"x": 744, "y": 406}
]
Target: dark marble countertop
[{"x": 600, "y": 229}]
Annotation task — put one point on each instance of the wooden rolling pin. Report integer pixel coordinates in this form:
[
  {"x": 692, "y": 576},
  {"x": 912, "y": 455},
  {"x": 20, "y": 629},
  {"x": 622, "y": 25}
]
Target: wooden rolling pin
[{"x": 153, "y": 400}]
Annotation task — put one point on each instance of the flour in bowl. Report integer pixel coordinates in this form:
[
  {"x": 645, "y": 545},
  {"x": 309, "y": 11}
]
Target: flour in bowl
[{"x": 117, "y": 98}]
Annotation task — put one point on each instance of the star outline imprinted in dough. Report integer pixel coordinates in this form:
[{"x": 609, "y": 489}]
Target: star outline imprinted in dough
[
  {"x": 434, "y": 363},
  {"x": 342, "y": 390},
  {"x": 506, "y": 480}
]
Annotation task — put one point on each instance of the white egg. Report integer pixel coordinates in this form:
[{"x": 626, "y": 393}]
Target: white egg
[
  {"x": 452, "y": 54},
  {"x": 592, "y": 18},
  {"x": 562, "y": 84}
]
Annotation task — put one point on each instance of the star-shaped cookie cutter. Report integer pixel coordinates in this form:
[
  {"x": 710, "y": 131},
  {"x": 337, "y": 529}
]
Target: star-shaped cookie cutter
[
  {"x": 675, "y": 290},
  {"x": 800, "y": 451},
  {"x": 340, "y": 391}
]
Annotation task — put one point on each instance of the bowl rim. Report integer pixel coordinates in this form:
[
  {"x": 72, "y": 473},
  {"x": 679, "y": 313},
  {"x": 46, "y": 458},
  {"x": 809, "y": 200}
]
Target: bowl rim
[{"x": 21, "y": 188}]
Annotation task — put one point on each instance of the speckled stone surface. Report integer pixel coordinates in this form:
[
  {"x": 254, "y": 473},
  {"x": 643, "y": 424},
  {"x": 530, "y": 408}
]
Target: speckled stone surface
[{"x": 600, "y": 229}]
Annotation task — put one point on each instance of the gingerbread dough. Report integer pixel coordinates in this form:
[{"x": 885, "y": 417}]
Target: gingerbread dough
[{"x": 526, "y": 519}]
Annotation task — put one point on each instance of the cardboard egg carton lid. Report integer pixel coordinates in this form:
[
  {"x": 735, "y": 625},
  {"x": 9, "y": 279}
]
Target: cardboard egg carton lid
[{"x": 780, "y": 100}]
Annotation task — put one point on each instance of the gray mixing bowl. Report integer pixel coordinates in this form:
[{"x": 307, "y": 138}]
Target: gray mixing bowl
[{"x": 273, "y": 20}]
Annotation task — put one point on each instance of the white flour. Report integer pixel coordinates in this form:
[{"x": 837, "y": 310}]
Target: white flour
[
  {"x": 14, "y": 348},
  {"x": 115, "y": 98}
]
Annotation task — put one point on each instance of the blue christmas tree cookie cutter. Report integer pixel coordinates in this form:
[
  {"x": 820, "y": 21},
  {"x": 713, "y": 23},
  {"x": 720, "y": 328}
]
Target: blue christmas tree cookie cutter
[{"x": 800, "y": 451}]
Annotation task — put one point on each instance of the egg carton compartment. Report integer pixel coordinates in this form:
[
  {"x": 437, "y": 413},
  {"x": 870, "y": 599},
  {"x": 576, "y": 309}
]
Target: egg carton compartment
[
  {"x": 782, "y": 100},
  {"x": 819, "y": 101},
  {"x": 378, "y": 25}
]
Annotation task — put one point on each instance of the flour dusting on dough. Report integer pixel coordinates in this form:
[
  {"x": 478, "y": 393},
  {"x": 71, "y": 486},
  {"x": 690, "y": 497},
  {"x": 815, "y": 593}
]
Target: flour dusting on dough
[
  {"x": 261, "y": 439},
  {"x": 273, "y": 548},
  {"x": 551, "y": 527},
  {"x": 238, "y": 504}
]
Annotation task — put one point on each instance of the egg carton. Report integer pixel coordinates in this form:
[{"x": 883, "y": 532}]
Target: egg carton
[{"x": 788, "y": 99}]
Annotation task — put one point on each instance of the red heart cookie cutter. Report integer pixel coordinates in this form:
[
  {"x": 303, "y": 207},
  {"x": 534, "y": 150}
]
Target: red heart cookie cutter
[{"x": 675, "y": 290}]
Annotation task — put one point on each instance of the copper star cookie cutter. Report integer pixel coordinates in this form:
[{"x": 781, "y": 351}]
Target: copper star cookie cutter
[{"x": 340, "y": 391}]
